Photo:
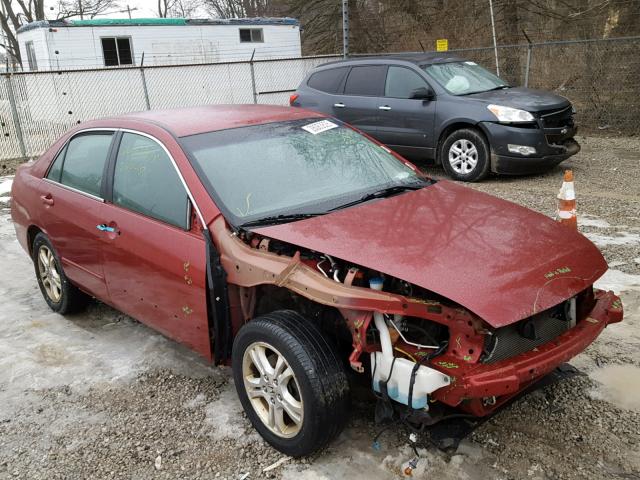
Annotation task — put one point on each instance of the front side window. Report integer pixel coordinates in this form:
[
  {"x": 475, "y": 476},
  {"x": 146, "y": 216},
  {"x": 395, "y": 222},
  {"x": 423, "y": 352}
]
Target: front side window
[
  {"x": 251, "y": 35},
  {"x": 31, "y": 56},
  {"x": 145, "y": 181},
  {"x": 402, "y": 82},
  {"x": 299, "y": 166},
  {"x": 464, "y": 78},
  {"x": 117, "y": 51},
  {"x": 83, "y": 162},
  {"x": 366, "y": 80}
]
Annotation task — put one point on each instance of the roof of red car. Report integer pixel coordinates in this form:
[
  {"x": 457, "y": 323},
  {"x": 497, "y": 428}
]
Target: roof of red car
[{"x": 190, "y": 121}]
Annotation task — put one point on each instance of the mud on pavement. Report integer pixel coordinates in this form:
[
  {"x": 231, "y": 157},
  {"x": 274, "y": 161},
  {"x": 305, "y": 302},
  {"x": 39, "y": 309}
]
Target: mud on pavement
[{"x": 98, "y": 395}]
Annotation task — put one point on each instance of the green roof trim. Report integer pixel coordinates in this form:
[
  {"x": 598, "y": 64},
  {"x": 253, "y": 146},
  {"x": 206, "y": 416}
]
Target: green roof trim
[{"x": 128, "y": 21}]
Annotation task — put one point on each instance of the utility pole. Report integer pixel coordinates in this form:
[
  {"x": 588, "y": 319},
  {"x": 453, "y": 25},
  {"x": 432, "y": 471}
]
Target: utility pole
[
  {"x": 129, "y": 11},
  {"x": 80, "y": 9},
  {"x": 495, "y": 46},
  {"x": 345, "y": 28}
]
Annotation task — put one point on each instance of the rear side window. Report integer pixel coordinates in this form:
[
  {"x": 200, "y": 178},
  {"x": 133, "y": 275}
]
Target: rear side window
[
  {"x": 366, "y": 80},
  {"x": 145, "y": 181},
  {"x": 328, "y": 81},
  {"x": 401, "y": 82},
  {"x": 83, "y": 162},
  {"x": 56, "y": 168}
]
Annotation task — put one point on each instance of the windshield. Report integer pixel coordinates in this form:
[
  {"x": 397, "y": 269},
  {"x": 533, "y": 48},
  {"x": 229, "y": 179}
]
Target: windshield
[
  {"x": 297, "y": 167},
  {"x": 463, "y": 78}
]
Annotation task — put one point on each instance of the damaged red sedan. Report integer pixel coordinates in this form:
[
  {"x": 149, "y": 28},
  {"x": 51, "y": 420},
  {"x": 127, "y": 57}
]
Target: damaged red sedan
[{"x": 292, "y": 247}]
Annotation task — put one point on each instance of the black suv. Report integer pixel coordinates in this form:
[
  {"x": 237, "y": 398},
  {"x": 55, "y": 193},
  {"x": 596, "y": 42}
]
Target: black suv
[{"x": 445, "y": 108}]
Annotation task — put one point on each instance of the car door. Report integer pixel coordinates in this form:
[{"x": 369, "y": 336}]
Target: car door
[
  {"x": 154, "y": 257},
  {"x": 72, "y": 197},
  {"x": 406, "y": 124},
  {"x": 358, "y": 104}
]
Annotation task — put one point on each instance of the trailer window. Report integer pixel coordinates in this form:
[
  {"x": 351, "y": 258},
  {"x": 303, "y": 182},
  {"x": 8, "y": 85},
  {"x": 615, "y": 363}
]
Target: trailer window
[
  {"x": 251, "y": 35},
  {"x": 31, "y": 56},
  {"x": 117, "y": 51}
]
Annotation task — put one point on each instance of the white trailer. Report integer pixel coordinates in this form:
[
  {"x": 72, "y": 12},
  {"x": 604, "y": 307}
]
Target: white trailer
[{"x": 86, "y": 44}]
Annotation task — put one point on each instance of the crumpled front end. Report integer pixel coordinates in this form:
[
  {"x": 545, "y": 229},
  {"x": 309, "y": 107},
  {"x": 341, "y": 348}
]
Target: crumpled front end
[{"x": 481, "y": 387}]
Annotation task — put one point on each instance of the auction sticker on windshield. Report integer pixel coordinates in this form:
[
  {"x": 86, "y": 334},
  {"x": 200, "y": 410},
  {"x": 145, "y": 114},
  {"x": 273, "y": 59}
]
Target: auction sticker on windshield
[{"x": 319, "y": 127}]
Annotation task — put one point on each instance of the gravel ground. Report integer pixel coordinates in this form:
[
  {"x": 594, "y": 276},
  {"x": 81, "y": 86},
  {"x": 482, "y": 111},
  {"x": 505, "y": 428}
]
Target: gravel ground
[{"x": 97, "y": 395}]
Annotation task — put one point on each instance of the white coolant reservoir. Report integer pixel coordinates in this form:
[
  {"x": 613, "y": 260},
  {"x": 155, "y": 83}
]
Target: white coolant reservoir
[
  {"x": 397, "y": 373},
  {"x": 427, "y": 379}
]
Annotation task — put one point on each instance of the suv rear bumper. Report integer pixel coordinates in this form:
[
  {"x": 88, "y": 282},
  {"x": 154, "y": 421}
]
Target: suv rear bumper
[
  {"x": 547, "y": 154},
  {"x": 473, "y": 384}
]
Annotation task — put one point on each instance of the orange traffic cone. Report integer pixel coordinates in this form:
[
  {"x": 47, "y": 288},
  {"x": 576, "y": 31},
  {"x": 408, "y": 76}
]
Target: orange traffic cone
[{"x": 567, "y": 201}]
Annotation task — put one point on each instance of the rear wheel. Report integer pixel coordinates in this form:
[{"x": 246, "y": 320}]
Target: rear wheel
[
  {"x": 290, "y": 382},
  {"x": 58, "y": 292},
  {"x": 465, "y": 155}
]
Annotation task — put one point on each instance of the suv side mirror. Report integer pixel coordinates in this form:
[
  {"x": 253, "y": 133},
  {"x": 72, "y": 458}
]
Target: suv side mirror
[{"x": 422, "y": 93}]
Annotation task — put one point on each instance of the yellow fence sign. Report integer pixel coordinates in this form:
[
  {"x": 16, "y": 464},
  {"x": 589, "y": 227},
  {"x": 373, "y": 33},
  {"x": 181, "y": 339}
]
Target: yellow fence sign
[{"x": 442, "y": 45}]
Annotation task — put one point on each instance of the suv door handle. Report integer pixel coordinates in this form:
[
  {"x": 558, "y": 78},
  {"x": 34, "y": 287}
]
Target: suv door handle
[
  {"x": 338, "y": 105},
  {"x": 384, "y": 107},
  {"x": 47, "y": 199},
  {"x": 105, "y": 228}
]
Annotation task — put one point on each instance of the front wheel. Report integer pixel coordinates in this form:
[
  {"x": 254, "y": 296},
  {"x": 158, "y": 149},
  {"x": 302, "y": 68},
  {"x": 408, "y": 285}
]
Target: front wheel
[
  {"x": 465, "y": 155},
  {"x": 291, "y": 382}
]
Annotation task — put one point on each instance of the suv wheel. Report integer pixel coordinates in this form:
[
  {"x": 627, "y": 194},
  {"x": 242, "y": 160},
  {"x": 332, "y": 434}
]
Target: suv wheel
[
  {"x": 58, "y": 292},
  {"x": 465, "y": 155},
  {"x": 290, "y": 381}
]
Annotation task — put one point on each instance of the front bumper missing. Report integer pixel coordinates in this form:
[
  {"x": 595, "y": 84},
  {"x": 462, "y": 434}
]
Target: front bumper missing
[{"x": 480, "y": 388}]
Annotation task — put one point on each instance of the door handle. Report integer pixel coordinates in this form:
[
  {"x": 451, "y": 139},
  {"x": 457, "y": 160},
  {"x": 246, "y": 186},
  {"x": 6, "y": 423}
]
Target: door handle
[
  {"x": 384, "y": 107},
  {"x": 338, "y": 105},
  {"x": 47, "y": 199},
  {"x": 105, "y": 228}
]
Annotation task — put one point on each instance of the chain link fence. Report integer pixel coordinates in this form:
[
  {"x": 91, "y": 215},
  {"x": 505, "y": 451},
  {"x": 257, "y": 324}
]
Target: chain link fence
[{"x": 600, "y": 77}]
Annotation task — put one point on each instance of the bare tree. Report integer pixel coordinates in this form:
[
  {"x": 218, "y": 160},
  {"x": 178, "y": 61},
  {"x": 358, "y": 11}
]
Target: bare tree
[
  {"x": 244, "y": 8},
  {"x": 178, "y": 8},
  {"x": 16, "y": 13},
  {"x": 12, "y": 17}
]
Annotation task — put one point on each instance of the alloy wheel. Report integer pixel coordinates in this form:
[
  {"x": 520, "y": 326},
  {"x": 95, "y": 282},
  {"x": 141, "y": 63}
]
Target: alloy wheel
[
  {"x": 49, "y": 274},
  {"x": 273, "y": 390},
  {"x": 463, "y": 156}
]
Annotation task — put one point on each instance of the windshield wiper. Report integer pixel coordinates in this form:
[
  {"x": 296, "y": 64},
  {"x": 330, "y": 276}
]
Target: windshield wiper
[
  {"x": 501, "y": 87},
  {"x": 382, "y": 193},
  {"x": 275, "y": 219}
]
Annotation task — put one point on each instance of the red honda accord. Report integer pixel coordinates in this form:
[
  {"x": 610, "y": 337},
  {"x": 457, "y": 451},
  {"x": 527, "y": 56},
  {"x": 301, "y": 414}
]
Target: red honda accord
[{"x": 293, "y": 247}]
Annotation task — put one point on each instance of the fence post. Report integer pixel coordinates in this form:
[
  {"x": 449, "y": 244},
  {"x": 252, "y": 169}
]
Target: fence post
[
  {"x": 253, "y": 78},
  {"x": 528, "y": 66},
  {"x": 14, "y": 114},
  {"x": 144, "y": 83}
]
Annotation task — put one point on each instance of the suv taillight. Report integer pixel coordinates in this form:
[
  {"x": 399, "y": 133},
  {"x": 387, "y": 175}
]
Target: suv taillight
[{"x": 293, "y": 98}]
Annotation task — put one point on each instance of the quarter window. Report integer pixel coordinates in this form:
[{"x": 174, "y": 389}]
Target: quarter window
[
  {"x": 366, "y": 80},
  {"x": 117, "y": 51},
  {"x": 146, "y": 181},
  {"x": 251, "y": 35},
  {"x": 401, "y": 82},
  {"x": 328, "y": 80},
  {"x": 83, "y": 162}
]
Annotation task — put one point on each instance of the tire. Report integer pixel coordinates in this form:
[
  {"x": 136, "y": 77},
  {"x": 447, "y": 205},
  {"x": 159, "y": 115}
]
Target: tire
[
  {"x": 317, "y": 393},
  {"x": 62, "y": 296},
  {"x": 465, "y": 155}
]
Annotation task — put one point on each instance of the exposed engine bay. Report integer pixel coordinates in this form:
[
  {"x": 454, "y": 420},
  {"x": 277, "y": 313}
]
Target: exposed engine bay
[{"x": 411, "y": 358}]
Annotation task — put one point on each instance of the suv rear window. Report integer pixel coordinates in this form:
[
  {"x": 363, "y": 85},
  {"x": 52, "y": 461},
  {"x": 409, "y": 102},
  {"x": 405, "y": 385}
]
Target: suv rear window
[
  {"x": 327, "y": 80},
  {"x": 366, "y": 80}
]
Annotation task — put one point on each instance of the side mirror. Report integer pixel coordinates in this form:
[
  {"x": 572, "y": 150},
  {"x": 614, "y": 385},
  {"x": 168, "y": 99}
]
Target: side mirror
[{"x": 422, "y": 93}]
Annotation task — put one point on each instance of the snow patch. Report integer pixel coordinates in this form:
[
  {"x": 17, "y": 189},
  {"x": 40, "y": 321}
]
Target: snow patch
[
  {"x": 592, "y": 221},
  {"x": 225, "y": 415},
  {"x": 622, "y": 238},
  {"x": 5, "y": 186},
  {"x": 618, "y": 281}
]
